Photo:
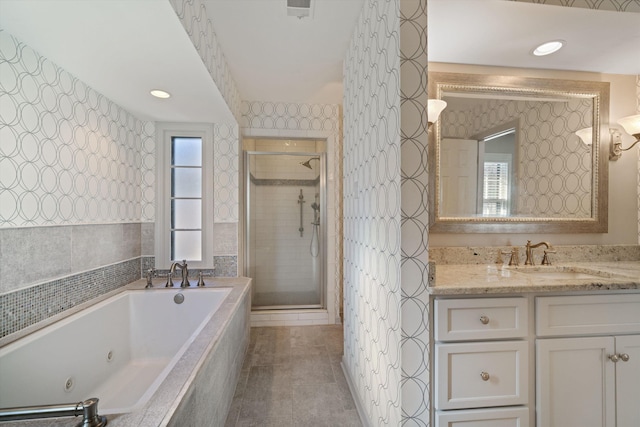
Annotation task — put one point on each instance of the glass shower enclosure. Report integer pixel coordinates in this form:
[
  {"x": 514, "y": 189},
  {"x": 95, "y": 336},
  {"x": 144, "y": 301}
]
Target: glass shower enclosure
[{"x": 285, "y": 223}]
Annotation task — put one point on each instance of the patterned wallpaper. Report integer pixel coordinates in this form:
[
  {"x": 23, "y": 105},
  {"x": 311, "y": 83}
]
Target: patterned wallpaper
[
  {"x": 198, "y": 25},
  {"x": 372, "y": 219},
  {"x": 414, "y": 214},
  {"x": 68, "y": 155},
  {"x": 615, "y": 5},
  {"x": 226, "y": 155},
  {"x": 554, "y": 165}
]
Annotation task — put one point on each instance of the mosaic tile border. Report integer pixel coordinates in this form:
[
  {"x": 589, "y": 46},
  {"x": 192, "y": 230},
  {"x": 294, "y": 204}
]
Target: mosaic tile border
[
  {"x": 278, "y": 182},
  {"x": 26, "y": 307},
  {"x": 225, "y": 266}
]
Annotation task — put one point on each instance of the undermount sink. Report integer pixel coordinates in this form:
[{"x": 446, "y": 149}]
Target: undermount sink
[{"x": 562, "y": 274}]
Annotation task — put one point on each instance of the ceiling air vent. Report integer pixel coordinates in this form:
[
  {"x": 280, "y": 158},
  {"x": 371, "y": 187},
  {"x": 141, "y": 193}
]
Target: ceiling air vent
[{"x": 299, "y": 8}]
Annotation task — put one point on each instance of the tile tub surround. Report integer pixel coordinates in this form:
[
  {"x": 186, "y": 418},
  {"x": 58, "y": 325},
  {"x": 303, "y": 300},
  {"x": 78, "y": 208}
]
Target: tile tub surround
[
  {"x": 26, "y": 309},
  {"x": 502, "y": 279},
  {"x": 199, "y": 390}
]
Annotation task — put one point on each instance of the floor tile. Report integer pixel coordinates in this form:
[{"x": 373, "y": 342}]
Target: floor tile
[{"x": 292, "y": 376}]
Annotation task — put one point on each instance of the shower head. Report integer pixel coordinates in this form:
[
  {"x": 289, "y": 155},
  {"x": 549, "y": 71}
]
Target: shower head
[{"x": 307, "y": 164}]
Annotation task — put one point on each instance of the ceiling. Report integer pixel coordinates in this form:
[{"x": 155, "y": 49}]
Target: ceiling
[{"x": 124, "y": 48}]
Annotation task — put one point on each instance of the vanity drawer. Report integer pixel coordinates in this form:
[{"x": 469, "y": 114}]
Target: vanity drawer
[
  {"x": 495, "y": 417},
  {"x": 587, "y": 315},
  {"x": 477, "y": 375},
  {"x": 480, "y": 318}
]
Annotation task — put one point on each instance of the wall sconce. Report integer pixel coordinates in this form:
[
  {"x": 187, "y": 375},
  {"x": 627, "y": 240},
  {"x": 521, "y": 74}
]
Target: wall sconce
[
  {"x": 434, "y": 108},
  {"x": 585, "y": 134},
  {"x": 631, "y": 125}
]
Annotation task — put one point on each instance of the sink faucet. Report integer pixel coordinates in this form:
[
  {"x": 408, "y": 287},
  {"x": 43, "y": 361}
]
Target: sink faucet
[
  {"x": 185, "y": 274},
  {"x": 529, "y": 246}
]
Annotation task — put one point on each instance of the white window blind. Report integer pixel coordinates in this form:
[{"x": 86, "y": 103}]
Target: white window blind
[{"x": 495, "y": 195}]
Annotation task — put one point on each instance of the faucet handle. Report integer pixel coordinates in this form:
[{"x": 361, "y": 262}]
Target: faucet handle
[
  {"x": 151, "y": 273},
  {"x": 169, "y": 281},
  {"x": 545, "y": 258},
  {"x": 515, "y": 256}
]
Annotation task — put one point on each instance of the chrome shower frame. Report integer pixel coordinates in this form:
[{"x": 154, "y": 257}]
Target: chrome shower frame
[{"x": 322, "y": 234}]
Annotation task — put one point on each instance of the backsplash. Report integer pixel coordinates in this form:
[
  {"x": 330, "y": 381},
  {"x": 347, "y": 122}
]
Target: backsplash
[{"x": 564, "y": 254}]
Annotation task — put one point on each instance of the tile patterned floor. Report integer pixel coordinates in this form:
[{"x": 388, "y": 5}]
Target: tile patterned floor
[{"x": 292, "y": 377}]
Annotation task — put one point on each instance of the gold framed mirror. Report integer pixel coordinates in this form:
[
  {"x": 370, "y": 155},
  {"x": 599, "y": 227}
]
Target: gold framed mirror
[{"x": 505, "y": 158}]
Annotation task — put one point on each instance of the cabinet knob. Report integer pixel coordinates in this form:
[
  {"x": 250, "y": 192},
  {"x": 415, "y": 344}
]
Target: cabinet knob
[
  {"x": 614, "y": 358},
  {"x": 484, "y": 320},
  {"x": 625, "y": 357},
  {"x": 485, "y": 376}
]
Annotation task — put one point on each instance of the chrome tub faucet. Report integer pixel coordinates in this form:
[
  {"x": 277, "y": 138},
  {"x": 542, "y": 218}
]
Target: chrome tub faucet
[{"x": 185, "y": 274}]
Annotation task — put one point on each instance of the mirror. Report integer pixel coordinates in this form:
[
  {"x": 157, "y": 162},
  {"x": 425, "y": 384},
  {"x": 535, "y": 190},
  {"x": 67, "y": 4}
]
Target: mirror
[{"x": 505, "y": 155}]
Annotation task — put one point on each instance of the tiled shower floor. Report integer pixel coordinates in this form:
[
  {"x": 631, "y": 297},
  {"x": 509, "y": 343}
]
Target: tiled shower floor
[{"x": 292, "y": 377}]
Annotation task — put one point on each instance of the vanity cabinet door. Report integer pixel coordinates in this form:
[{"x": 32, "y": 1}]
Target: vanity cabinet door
[
  {"x": 575, "y": 382},
  {"x": 628, "y": 380}
]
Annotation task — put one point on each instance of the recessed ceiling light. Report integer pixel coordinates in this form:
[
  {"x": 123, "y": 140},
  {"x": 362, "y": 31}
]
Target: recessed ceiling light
[
  {"x": 548, "y": 48},
  {"x": 160, "y": 93}
]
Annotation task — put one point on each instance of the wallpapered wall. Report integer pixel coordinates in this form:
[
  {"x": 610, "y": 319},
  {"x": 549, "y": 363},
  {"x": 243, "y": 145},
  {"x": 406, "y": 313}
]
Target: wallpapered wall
[
  {"x": 372, "y": 222},
  {"x": 69, "y": 155},
  {"x": 414, "y": 214},
  {"x": 554, "y": 166},
  {"x": 197, "y": 24}
]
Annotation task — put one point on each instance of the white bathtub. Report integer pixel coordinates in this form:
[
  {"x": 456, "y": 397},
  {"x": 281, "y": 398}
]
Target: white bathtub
[{"x": 118, "y": 350}]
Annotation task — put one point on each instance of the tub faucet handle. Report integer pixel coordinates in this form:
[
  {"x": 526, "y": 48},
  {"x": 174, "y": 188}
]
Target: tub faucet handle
[
  {"x": 151, "y": 273},
  {"x": 185, "y": 274},
  {"x": 169, "y": 281}
]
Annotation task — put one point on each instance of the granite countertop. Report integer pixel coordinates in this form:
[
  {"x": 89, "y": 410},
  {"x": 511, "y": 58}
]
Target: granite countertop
[{"x": 462, "y": 279}]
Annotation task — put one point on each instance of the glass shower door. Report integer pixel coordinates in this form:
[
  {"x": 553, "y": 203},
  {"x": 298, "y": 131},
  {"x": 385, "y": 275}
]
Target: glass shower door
[{"x": 284, "y": 229}]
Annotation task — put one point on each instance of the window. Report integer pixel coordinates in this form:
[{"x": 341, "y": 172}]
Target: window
[
  {"x": 184, "y": 201},
  {"x": 495, "y": 188}
]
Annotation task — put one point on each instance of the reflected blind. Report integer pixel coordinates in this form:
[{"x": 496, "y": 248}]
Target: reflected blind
[{"x": 495, "y": 195}]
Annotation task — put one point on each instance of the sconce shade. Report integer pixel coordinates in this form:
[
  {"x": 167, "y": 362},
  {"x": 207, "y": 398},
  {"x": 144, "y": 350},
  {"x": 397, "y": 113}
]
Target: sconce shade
[
  {"x": 434, "y": 108},
  {"x": 585, "y": 135},
  {"x": 631, "y": 125}
]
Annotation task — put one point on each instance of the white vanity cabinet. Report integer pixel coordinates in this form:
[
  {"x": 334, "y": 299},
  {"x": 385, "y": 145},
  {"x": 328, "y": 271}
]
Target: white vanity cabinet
[
  {"x": 588, "y": 361},
  {"x": 481, "y": 362}
]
